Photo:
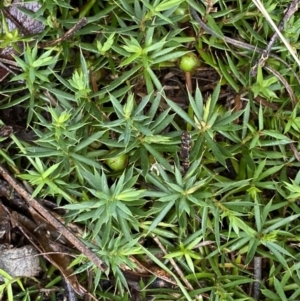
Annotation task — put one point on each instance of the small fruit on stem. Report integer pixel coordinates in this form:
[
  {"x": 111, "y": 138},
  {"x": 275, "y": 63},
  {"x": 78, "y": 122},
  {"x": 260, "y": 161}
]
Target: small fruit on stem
[{"x": 189, "y": 62}]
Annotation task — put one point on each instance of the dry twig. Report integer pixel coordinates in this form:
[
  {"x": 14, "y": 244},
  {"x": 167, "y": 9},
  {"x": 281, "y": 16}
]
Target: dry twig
[
  {"x": 176, "y": 267},
  {"x": 265, "y": 54},
  {"x": 36, "y": 208}
]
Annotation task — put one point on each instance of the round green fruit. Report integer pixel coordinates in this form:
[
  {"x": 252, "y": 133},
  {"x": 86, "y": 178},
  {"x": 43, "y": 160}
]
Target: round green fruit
[
  {"x": 117, "y": 163},
  {"x": 183, "y": 10},
  {"x": 189, "y": 62}
]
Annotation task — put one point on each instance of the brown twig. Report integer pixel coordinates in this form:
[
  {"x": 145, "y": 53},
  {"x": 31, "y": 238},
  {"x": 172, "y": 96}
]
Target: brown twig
[
  {"x": 38, "y": 238},
  {"x": 9, "y": 70},
  {"x": 37, "y": 208},
  {"x": 81, "y": 23},
  {"x": 285, "y": 83},
  {"x": 266, "y": 103},
  {"x": 176, "y": 267}
]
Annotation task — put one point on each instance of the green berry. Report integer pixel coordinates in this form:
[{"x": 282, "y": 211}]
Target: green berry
[
  {"x": 183, "y": 11},
  {"x": 117, "y": 163},
  {"x": 189, "y": 62}
]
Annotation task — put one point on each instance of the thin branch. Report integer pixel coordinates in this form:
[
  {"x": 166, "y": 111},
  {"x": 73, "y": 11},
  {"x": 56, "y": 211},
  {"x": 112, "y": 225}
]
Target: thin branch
[
  {"x": 176, "y": 267},
  {"x": 81, "y": 23},
  {"x": 293, "y": 7},
  {"x": 34, "y": 205},
  {"x": 262, "y": 9}
]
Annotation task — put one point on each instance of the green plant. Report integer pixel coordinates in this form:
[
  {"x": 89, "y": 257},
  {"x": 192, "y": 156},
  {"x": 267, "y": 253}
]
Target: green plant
[
  {"x": 33, "y": 75},
  {"x": 111, "y": 207},
  {"x": 7, "y": 286},
  {"x": 113, "y": 90}
]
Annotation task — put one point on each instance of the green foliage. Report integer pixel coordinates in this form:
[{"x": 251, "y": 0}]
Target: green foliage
[
  {"x": 7, "y": 285},
  {"x": 105, "y": 92},
  {"x": 111, "y": 207}
]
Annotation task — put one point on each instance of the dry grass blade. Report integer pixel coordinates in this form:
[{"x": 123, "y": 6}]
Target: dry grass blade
[
  {"x": 262, "y": 9},
  {"x": 293, "y": 7}
]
